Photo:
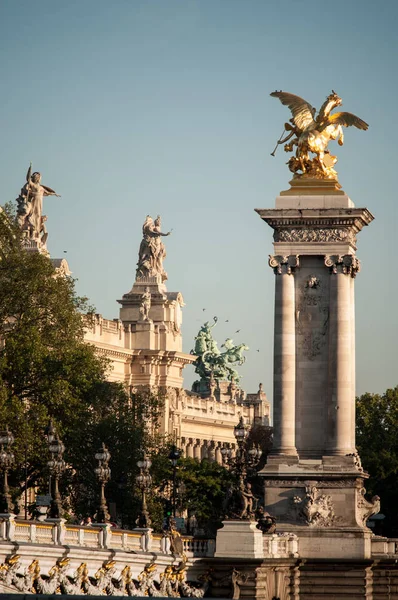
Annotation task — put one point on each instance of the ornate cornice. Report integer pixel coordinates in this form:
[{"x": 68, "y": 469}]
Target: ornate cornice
[
  {"x": 163, "y": 356},
  {"x": 283, "y": 265},
  {"x": 316, "y": 225}
]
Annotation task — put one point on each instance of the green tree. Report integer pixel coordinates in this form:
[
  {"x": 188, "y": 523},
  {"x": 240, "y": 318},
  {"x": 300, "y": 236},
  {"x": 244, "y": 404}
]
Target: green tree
[
  {"x": 47, "y": 371},
  {"x": 377, "y": 441},
  {"x": 201, "y": 488}
]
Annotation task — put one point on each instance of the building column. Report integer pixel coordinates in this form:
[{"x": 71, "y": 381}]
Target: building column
[
  {"x": 211, "y": 452},
  {"x": 341, "y": 399},
  {"x": 189, "y": 448},
  {"x": 183, "y": 446},
  {"x": 196, "y": 450},
  {"x": 204, "y": 450},
  {"x": 218, "y": 454},
  {"x": 284, "y": 356}
]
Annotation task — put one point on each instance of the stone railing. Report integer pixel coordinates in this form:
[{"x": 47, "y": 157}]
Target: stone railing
[
  {"x": 101, "y": 536},
  {"x": 283, "y": 545},
  {"x": 384, "y": 546}
]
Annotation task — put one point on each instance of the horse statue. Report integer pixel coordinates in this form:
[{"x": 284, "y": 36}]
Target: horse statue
[
  {"x": 234, "y": 353},
  {"x": 313, "y": 134}
]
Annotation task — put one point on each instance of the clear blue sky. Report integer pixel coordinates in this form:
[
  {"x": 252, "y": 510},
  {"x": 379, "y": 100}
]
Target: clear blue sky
[{"x": 133, "y": 107}]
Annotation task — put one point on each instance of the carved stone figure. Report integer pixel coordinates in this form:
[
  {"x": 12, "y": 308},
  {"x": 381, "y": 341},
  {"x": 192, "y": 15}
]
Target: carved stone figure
[
  {"x": 146, "y": 583},
  {"x": 104, "y": 582},
  {"x": 211, "y": 362},
  {"x": 237, "y": 579},
  {"x": 311, "y": 134},
  {"x": 30, "y": 207},
  {"x": 314, "y": 509},
  {"x": 367, "y": 508},
  {"x": 145, "y": 305},
  {"x": 55, "y": 578},
  {"x": 265, "y": 522},
  {"x": 240, "y": 502},
  {"x": 152, "y": 251}
]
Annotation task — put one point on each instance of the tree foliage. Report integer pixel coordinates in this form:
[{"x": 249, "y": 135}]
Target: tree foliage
[
  {"x": 377, "y": 441},
  {"x": 47, "y": 371}
]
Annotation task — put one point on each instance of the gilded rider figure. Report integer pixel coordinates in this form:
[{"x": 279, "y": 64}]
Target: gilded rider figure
[{"x": 312, "y": 134}]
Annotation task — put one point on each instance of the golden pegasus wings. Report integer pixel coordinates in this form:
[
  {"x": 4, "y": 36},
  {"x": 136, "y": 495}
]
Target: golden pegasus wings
[
  {"x": 347, "y": 119},
  {"x": 302, "y": 111}
]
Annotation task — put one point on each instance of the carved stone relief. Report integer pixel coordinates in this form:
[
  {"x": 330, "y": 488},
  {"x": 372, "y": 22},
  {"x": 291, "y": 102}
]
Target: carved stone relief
[
  {"x": 367, "y": 508},
  {"x": 297, "y": 483},
  {"x": 315, "y": 235},
  {"x": 312, "y": 316},
  {"x": 314, "y": 509}
]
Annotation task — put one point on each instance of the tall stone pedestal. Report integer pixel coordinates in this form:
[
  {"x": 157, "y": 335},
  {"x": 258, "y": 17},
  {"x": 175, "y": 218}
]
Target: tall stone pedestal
[
  {"x": 313, "y": 477},
  {"x": 155, "y": 338},
  {"x": 239, "y": 539}
]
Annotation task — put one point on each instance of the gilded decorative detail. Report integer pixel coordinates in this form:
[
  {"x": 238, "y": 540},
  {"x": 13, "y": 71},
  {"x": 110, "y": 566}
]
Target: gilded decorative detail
[
  {"x": 106, "y": 581},
  {"x": 309, "y": 134}
]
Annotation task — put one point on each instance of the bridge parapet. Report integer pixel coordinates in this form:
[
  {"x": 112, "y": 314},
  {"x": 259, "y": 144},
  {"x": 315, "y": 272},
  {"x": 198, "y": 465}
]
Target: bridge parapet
[{"x": 44, "y": 557}]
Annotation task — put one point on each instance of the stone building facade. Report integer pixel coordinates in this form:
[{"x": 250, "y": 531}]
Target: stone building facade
[{"x": 144, "y": 347}]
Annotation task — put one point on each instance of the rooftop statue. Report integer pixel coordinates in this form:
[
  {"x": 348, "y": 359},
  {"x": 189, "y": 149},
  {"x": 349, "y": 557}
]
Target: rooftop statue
[
  {"x": 310, "y": 133},
  {"x": 152, "y": 250},
  {"x": 211, "y": 361},
  {"x": 30, "y": 207}
]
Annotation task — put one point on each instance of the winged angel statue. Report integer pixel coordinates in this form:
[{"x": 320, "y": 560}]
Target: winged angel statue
[{"x": 310, "y": 133}]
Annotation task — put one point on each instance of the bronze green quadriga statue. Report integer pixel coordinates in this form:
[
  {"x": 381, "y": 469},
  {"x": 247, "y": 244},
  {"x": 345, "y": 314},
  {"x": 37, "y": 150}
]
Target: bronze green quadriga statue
[
  {"x": 211, "y": 361},
  {"x": 311, "y": 134}
]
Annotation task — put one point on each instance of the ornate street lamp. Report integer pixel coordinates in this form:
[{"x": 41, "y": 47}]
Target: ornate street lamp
[
  {"x": 173, "y": 457},
  {"x": 57, "y": 467},
  {"x": 103, "y": 474},
  {"x": 144, "y": 482},
  {"x": 242, "y": 503},
  {"x": 6, "y": 461}
]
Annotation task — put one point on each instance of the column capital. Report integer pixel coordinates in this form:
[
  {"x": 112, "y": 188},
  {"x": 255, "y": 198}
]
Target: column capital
[
  {"x": 283, "y": 265},
  {"x": 348, "y": 264}
]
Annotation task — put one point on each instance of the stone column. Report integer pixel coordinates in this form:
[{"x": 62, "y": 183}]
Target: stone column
[
  {"x": 353, "y": 364},
  {"x": 189, "y": 448},
  {"x": 218, "y": 453},
  {"x": 211, "y": 451},
  {"x": 183, "y": 446},
  {"x": 341, "y": 400},
  {"x": 204, "y": 450},
  {"x": 196, "y": 450},
  {"x": 284, "y": 356}
]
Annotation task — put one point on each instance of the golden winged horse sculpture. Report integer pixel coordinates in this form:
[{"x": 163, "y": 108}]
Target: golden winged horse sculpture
[{"x": 310, "y": 133}]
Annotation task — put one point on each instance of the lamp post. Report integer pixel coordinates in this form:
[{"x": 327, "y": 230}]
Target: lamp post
[
  {"x": 6, "y": 461},
  {"x": 50, "y": 433},
  {"x": 103, "y": 474},
  {"x": 144, "y": 482},
  {"x": 242, "y": 503},
  {"x": 247, "y": 457},
  {"x": 174, "y": 457},
  {"x": 57, "y": 467}
]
